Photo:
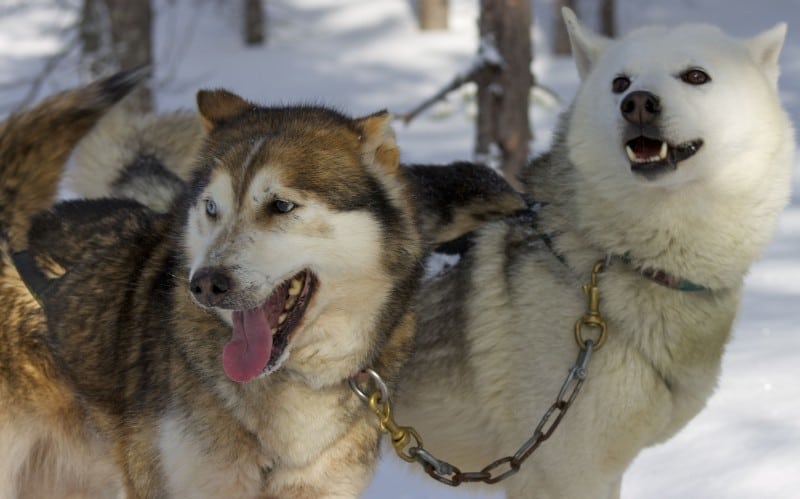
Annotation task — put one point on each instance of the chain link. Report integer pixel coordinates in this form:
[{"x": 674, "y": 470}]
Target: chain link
[{"x": 504, "y": 467}]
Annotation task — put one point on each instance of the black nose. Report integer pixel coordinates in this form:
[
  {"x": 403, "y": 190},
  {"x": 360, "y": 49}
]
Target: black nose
[
  {"x": 640, "y": 107},
  {"x": 210, "y": 286}
]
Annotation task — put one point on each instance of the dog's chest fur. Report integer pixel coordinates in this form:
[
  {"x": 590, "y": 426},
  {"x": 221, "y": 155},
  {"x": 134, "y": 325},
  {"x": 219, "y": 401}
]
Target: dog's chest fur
[
  {"x": 654, "y": 373},
  {"x": 264, "y": 435}
]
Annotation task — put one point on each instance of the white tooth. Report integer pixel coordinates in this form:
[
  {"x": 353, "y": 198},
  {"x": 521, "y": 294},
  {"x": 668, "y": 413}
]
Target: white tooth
[
  {"x": 631, "y": 154},
  {"x": 282, "y": 318},
  {"x": 295, "y": 286},
  {"x": 662, "y": 154},
  {"x": 290, "y": 301}
]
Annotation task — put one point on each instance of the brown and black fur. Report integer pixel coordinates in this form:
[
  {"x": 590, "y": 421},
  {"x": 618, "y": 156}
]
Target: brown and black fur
[
  {"x": 129, "y": 366},
  {"x": 40, "y": 415}
]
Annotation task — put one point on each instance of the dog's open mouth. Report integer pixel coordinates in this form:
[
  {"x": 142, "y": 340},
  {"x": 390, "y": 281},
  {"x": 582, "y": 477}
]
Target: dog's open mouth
[
  {"x": 261, "y": 335},
  {"x": 653, "y": 157}
]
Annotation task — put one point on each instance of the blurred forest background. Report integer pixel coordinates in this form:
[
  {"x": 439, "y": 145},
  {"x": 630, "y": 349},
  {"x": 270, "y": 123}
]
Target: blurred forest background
[{"x": 105, "y": 36}]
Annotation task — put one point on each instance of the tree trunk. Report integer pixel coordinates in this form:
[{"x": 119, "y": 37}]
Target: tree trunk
[
  {"x": 608, "y": 25},
  {"x": 132, "y": 42},
  {"x": 253, "y": 22},
  {"x": 95, "y": 43},
  {"x": 561, "y": 44},
  {"x": 503, "y": 130},
  {"x": 117, "y": 35},
  {"x": 432, "y": 14}
]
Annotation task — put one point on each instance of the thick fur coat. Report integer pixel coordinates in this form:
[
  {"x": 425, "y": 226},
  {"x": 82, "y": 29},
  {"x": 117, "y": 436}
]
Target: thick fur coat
[
  {"x": 672, "y": 164},
  {"x": 206, "y": 351}
]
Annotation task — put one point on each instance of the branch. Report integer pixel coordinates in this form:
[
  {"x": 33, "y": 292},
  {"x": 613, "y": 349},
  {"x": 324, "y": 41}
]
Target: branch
[
  {"x": 488, "y": 57},
  {"x": 50, "y": 65},
  {"x": 458, "y": 81},
  {"x": 177, "y": 47}
]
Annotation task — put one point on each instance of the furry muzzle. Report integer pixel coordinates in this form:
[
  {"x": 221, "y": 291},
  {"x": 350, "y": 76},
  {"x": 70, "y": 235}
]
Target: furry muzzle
[{"x": 260, "y": 335}]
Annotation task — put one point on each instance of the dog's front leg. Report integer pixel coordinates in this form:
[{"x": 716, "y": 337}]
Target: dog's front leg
[{"x": 139, "y": 460}]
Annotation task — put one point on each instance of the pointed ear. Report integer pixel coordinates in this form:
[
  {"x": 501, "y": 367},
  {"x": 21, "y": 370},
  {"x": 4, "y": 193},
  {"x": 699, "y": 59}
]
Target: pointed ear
[
  {"x": 586, "y": 44},
  {"x": 765, "y": 49},
  {"x": 378, "y": 144},
  {"x": 218, "y": 106}
]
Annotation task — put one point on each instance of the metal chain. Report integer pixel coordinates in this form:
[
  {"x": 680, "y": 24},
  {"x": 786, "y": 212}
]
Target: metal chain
[{"x": 504, "y": 467}]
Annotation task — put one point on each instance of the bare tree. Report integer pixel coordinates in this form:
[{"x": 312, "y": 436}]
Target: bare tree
[
  {"x": 432, "y": 14},
  {"x": 117, "y": 35},
  {"x": 561, "y": 44},
  {"x": 503, "y": 129},
  {"x": 502, "y": 73},
  {"x": 608, "y": 25},
  {"x": 253, "y": 22},
  {"x": 93, "y": 62}
]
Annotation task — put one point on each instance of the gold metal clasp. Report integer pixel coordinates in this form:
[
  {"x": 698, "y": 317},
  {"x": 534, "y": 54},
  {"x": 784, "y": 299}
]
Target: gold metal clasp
[
  {"x": 592, "y": 318},
  {"x": 401, "y": 435}
]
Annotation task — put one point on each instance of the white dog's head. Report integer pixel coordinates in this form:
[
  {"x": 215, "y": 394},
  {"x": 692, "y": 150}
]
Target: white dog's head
[{"x": 665, "y": 107}]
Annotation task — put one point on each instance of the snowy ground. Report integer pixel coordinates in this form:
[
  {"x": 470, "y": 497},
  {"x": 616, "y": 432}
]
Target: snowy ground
[{"x": 363, "y": 56}]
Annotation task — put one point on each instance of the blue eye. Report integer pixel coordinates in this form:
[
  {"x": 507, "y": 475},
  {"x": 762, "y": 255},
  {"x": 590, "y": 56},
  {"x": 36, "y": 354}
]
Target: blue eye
[
  {"x": 211, "y": 208},
  {"x": 282, "y": 206}
]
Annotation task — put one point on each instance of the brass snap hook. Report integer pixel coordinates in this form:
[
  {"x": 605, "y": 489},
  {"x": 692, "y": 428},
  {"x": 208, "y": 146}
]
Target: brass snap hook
[{"x": 592, "y": 318}]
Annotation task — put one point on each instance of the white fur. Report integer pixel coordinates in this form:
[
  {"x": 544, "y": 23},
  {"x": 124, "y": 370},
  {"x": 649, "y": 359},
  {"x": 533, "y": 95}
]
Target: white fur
[
  {"x": 119, "y": 138},
  {"x": 41, "y": 460},
  {"x": 194, "y": 474},
  {"x": 706, "y": 222},
  {"x": 740, "y": 167}
]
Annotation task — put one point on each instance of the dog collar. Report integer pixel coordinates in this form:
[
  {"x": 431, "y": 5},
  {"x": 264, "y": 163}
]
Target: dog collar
[
  {"x": 530, "y": 215},
  {"x": 664, "y": 278}
]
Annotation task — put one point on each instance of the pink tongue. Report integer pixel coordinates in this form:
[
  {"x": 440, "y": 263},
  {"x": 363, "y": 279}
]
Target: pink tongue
[{"x": 247, "y": 354}]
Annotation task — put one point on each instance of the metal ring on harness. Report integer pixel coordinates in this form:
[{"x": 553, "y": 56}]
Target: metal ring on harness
[{"x": 376, "y": 379}]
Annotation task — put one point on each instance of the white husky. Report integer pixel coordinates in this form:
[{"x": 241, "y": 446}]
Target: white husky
[{"x": 672, "y": 166}]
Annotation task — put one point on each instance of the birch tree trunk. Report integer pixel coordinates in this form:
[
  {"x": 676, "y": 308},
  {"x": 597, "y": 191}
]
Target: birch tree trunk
[
  {"x": 432, "y": 14},
  {"x": 503, "y": 129},
  {"x": 253, "y": 22},
  {"x": 117, "y": 35},
  {"x": 608, "y": 25}
]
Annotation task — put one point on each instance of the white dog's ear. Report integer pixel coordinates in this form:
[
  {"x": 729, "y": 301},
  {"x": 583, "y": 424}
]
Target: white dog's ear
[
  {"x": 586, "y": 44},
  {"x": 765, "y": 49}
]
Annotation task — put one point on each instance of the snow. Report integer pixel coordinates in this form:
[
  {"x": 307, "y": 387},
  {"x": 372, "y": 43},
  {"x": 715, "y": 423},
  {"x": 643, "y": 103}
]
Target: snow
[{"x": 364, "y": 56}]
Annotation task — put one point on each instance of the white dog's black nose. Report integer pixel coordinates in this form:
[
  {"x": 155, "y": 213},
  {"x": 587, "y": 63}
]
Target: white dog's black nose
[
  {"x": 640, "y": 107},
  {"x": 210, "y": 286}
]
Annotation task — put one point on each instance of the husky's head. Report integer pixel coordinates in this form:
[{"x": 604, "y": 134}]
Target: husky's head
[
  {"x": 671, "y": 106},
  {"x": 297, "y": 234}
]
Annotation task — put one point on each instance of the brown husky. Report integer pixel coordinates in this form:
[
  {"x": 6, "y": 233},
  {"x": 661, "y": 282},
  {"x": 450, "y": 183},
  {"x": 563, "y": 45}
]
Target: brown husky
[{"x": 208, "y": 350}]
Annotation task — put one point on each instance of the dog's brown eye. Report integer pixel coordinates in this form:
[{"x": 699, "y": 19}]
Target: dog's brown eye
[
  {"x": 211, "y": 208},
  {"x": 695, "y": 77},
  {"x": 620, "y": 84},
  {"x": 282, "y": 206}
]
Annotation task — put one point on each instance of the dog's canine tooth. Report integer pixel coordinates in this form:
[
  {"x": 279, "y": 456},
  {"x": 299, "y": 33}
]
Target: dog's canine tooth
[
  {"x": 295, "y": 286},
  {"x": 662, "y": 154},
  {"x": 282, "y": 318},
  {"x": 631, "y": 154}
]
